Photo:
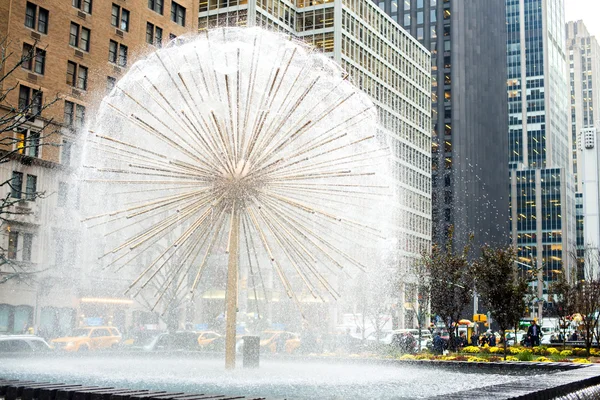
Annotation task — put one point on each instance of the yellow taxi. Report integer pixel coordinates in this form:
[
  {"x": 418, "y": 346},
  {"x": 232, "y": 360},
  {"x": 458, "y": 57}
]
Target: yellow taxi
[
  {"x": 89, "y": 338},
  {"x": 279, "y": 341}
]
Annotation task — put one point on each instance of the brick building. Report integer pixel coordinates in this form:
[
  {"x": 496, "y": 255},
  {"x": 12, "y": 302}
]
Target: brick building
[{"x": 82, "y": 48}]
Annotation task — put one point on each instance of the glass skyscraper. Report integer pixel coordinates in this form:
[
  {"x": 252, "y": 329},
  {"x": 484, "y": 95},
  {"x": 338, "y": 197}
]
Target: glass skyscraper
[
  {"x": 469, "y": 117},
  {"x": 542, "y": 187}
]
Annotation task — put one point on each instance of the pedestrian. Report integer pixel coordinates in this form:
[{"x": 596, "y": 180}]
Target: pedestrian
[
  {"x": 492, "y": 339},
  {"x": 438, "y": 344},
  {"x": 534, "y": 334},
  {"x": 462, "y": 341},
  {"x": 474, "y": 339}
]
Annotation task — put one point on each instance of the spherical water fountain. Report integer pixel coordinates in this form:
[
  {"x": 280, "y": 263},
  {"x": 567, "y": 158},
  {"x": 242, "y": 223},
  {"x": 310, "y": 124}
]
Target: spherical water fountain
[{"x": 238, "y": 142}]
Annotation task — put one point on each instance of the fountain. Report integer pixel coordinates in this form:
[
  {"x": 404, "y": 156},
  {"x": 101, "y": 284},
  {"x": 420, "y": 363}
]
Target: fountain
[
  {"x": 246, "y": 148},
  {"x": 245, "y": 143}
]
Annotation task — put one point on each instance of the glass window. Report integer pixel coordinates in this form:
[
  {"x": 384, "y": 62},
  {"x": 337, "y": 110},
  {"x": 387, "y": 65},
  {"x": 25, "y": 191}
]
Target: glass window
[
  {"x": 420, "y": 33},
  {"x": 177, "y": 13},
  {"x": 31, "y": 187},
  {"x": 122, "y": 55},
  {"x": 112, "y": 51},
  {"x": 40, "y": 61},
  {"x": 69, "y": 113},
  {"x": 84, "y": 43},
  {"x": 74, "y": 36},
  {"x": 125, "y": 20},
  {"x": 30, "y": 15},
  {"x": 406, "y": 5},
  {"x": 43, "y": 20},
  {"x": 82, "y": 76},
  {"x": 13, "y": 245},
  {"x": 26, "y": 56},
  {"x": 79, "y": 115},
  {"x": 158, "y": 36},
  {"x": 149, "y": 33},
  {"x": 110, "y": 83},
  {"x": 406, "y": 19},
  {"x": 419, "y": 4},
  {"x": 156, "y": 5},
  {"x": 16, "y": 184},
  {"x": 71, "y": 71},
  {"x": 420, "y": 17},
  {"x": 433, "y": 15},
  {"x": 114, "y": 15}
]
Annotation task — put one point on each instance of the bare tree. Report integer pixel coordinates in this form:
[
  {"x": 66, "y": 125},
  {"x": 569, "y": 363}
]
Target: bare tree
[
  {"x": 422, "y": 288},
  {"x": 564, "y": 295},
  {"x": 450, "y": 282},
  {"x": 501, "y": 287},
  {"x": 19, "y": 140}
]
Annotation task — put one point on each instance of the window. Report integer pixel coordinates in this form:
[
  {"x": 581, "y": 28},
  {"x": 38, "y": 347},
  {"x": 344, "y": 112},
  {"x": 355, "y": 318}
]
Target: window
[
  {"x": 119, "y": 18},
  {"x": 28, "y": 142},
  {"x": 153, "y": 34},
  {"x": 83, "y": 5},
  {"x": 31, "y": 187},
  {"x": 117, "y": 53},
  {"x": 27, "y": 245},
  {"x": 13, "y": 244},
  {"x": 31, "y": 11},
  {"x": 110, "y": 83},
  {"x": 122, "y": 56},
  {"x": 74, "y": 115},
  {"x": 112, "y": 51},
  {"x": 33, "y": 60},
  {"x": 30, "y": 100},
  {"x": 177, "y": 13},
  {"x": 156, "y": 5},
  {"x": 79, "y": 37},
  {"x": 77, "y": 75},
  {"x": 16, "y": 185},
  {"x": 65, "y": 154}
]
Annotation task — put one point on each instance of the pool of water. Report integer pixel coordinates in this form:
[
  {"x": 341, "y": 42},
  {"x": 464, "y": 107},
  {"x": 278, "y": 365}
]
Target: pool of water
[{"x": 290, "y": 379}]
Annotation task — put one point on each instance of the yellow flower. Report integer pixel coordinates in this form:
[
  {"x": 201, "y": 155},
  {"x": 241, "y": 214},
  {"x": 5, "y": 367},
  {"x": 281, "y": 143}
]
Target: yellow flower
[
  {"x": 408, "y": 357},
  {"x": 582, "y": 361}
]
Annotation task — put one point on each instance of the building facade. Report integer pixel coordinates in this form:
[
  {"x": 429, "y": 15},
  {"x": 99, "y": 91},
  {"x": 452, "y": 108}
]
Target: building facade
[
  {"x": 584, "y": 74},
  {"x": 81, "y": 48},
  {"x": 469, "y": 145},
  {"x": 542, "y": 188},
  {"x": 386, "y": 63}
]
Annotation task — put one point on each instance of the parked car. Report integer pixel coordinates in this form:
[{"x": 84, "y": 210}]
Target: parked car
[
  {"x": 176, "y": 341},
  {"x": 89, "y": 338},
  {"x": 279, "y": 341},
  {"x": 23, "y": 344},
  {"x": 209, "y": 339},
  {"x": 138, "y": 340}
]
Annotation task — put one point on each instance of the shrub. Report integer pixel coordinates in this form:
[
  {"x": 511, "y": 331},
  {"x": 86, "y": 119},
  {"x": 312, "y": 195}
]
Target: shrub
[
  {"x": 579, "y": 352},
  {"x": 543, "y": 359},
  {"x": 537, "y": 350},
  {"x": 495, "y": 359},
  {"x": 525, "y": 355},
  {"x": 476, "y": 359},
  {"x": 495, "y": 350},
  {"x": 566, "y": 353},
  {"x": 552, "y": 351},
  {"x": 514, "y": 350},
  {"x": 424, "y": 357},
  {"x": 408, "y": 357},
  {"x": 461, "y": 358},
  {"x": 563, "y": 360},
  {"x": 582, "y": 361},
  {"x": 471, "y": 349},
  {"x": 511, "y": 358},
  {"x": 594, "y": 352}
]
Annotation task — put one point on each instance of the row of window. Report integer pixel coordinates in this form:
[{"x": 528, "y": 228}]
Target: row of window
[{"x": 37, "y": 18}]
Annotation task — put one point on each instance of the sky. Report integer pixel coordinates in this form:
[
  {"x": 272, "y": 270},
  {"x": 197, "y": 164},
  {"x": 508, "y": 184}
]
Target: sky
[{"x": 588, "y": 11}]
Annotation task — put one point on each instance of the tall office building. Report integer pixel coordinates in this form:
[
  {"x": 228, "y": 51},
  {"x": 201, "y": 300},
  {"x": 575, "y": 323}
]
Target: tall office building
[
  {"x": 542, "y": 187},
  {"x": 469, "y": 120},
  {"x": 81, "y": 47},
  {"x": 584, "y": 74},
  {"x": 386, "y": 63}
]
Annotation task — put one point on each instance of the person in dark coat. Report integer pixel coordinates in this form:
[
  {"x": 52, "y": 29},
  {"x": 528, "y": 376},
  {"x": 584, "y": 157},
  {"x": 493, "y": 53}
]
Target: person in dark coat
[
  {"x": 474, "y": 339},
  {"x": 492, "y": 340},
  {"x": 438, "y": 344},
  {"x": 534, "y": 334}
]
